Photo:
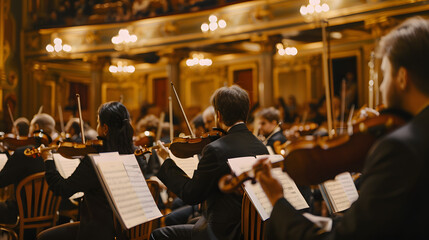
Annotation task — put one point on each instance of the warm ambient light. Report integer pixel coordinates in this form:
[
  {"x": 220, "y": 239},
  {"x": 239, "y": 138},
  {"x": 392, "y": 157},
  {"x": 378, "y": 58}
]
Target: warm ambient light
[
  {"x": 58, "y": 46},
  {"x": 124, "y": 37},
  {"x": 314, "y": 6},
  {"x": 121, "y": 68},
  {"x": 198, "y": 59},
  {"x": 282, "y": 50},
  {"x": 213, "y": 24}
]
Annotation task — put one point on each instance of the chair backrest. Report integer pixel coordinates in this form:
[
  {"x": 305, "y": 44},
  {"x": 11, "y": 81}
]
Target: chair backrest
[
  {"x": 142, "y": 231},
  {"x": 252, "y": 226},
  {"x": 38, "y": 206}
]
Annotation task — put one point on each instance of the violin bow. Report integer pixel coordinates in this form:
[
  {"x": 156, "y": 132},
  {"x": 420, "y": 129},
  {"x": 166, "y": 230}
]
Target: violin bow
[
  {"x": 159, "y": 130},
  {"x": 343, "y": 104},
  {"x": 327, "y": 82},
  {"x": 60, "y": 113},
  {"x": 183, "y": 112},
  {"x": 40, "y": 110},
  {"x": 13, "y": 121},
  {"x": 80, "y": 118},
  {"x": 170, "y": 114}
]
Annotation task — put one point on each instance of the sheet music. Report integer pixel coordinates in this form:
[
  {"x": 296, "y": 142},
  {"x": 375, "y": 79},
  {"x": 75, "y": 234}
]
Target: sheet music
[
  {"x": 255, "y": 191},
  {"x": 188, "y": 165},
  {"x": 140, "y": 186},
  {"x": 3, "y": 160},
  {"x": 124, "y": 197},
  {"x": 341, "y": 191},
  {"x": 66, "y": 167}
]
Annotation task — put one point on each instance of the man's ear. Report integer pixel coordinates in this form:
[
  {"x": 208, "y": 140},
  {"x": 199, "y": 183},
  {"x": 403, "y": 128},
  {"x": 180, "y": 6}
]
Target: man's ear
[
  {"x": 403, "y": 78},
  {"x": 105, "y": 129},
  {"x": 218, "y": 117}
]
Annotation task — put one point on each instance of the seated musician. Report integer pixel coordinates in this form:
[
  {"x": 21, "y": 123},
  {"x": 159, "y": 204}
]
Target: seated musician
[
  {"x": 22, "y": 126},
  {"x": 269, "y": 121},
  {"x": 222, "y": 212},
  {"x": 393, "y": 201},
  {"x": 96, "y": 216},
  {"x": 20, "y": 166},
  {"x": 209, "y": 118}
]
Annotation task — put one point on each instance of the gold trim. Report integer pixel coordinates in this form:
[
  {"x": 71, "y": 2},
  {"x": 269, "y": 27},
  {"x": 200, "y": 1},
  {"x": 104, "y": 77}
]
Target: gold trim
[{"x": 121, "y": 86}]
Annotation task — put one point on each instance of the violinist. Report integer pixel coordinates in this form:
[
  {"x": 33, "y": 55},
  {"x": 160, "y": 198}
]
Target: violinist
[
  {"x": 22, "y": 126},
  {"x": 96, "y": 216},
  {"x": 269, "y": 126},
  {"x": 222, "y": 212},
  {"x": 20, "y": 166},
  {"x": 393, "y": 197},
  {"x": 209, "y": 118}
]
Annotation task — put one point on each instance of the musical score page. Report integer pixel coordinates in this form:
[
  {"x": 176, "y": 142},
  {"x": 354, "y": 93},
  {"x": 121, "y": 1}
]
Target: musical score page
[
  {"x": 66, "y": 167},
  {"x": 255, "y": 191},
  {"x": 126, "y": 203},
  {"x": 188, "y": 165},
  {"x": 139, "y": 184},
  {"x": 3, "y": 160},
  {"x": 341, "y": 192}
]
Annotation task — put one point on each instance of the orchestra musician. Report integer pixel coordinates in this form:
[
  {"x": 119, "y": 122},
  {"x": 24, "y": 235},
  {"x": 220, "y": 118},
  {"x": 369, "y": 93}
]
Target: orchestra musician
[
  {"x": 222, "y": 212},
  {"x": 209, "y": 118},
  {"x": 22, "y": 127},
  {"x": 269, "y": 121},
  {"x": 393, "y": 200},
  {"x": 96, "y": 216},
  {"x": 20, "y": 166}
]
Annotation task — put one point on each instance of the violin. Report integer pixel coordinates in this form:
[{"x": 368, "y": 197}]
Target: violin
[
  {"x": 68, "y": 149},
  {"x": 145, "y": 138},
  {"x": 13, "y": 142},
  {"x": 186, "y": 147},
  {"x": 311, "y": 160}
]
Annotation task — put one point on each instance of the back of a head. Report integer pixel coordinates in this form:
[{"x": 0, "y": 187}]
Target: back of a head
[
  {"x": 271, "y": 114},
  {"x": 44, "y": 121},
  {"x": 23, "y": 126},
  {"x": 73, "y": 126},
  {"x": 408, "y": 46},
  {"x": 120, "y": 132},
  {"x": 232, "y": 103},
  {"x": 198, "y": 121},
  {"x": 148, "y": 123}
]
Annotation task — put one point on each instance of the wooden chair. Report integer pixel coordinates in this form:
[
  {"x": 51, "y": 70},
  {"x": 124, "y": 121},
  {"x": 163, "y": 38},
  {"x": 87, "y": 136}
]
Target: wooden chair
[
  {"x": 142, "y": 231},
  {"x": 37, "y": 205},
  {"x": 252, "y": 226}
]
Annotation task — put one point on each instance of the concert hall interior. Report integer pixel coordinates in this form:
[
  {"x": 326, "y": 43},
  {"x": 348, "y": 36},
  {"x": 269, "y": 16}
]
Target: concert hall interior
[{"x": 194, "y": 89}]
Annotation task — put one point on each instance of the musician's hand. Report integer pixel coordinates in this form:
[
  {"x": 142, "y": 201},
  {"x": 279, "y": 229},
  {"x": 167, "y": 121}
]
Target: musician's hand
[
  {"x": 271, "y": 186},
  {"x": 46, "y": 155},
  {"x": 162, "y": 151},
  {"x": 161, "y": 184}
]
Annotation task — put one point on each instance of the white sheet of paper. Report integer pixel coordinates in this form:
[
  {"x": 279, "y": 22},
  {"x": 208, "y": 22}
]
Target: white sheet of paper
[
  {"x": 66, "y": 167},
  {"x": 188, "y": 165},
  {"x": 341, "y": 191},
  {"x": 255, "y": 191},
  {"x": 140, "y": 186},
  {"x": 323, "y": 222},
  {"x": 3, "y": 160},
  {"x": 118, "y": 184}
]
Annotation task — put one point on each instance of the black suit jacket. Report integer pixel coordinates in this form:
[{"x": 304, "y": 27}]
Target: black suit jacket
[
  {"x": 393, "y": 197},
  {"x": 19, "y": 166},
  {"x": 278, "y": 136},
  {"x": 221, "y": 218}
]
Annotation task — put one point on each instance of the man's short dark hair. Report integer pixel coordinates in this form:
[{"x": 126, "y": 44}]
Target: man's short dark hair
[
  {"x": 232, "y": 103},
  {"x": 271, "y": 114},
  {"x": 408, "y": 46},
  {"x": 23, "y": 126}
]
